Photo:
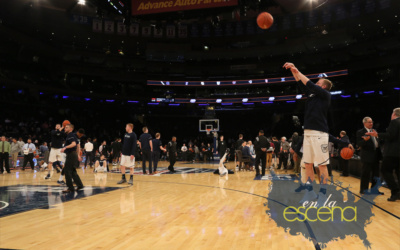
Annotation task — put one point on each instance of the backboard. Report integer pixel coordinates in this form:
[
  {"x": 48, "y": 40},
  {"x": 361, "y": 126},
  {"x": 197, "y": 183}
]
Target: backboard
[{"x": 205, "y": 124}]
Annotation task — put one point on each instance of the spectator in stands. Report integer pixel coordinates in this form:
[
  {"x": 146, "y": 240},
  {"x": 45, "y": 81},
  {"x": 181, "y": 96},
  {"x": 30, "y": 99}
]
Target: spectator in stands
[
  {"x": 28, "y": 149},
  {"x": 196, "y": 153},
  {"x": 89, "y": 153},
  {"x": 270, "y": 152},
  {"x": 277, "y": 147},
  {"x": 21, "y": 145},
  {"x": 14, "y": 151},
  {"x": 43, "y": 148},
  {"x": 251, "y": 148},
  {"x": 283, "y": 153},
  {"x": 184, "y": 150},
  {"x": 247, "y": 153},
  {"x": 5, "y": 148},
  {"x": 296, "y": 158}
]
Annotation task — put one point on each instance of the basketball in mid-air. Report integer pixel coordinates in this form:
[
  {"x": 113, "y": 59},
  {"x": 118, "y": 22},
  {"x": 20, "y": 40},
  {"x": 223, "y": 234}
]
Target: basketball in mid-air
[
  {"x": 65, "y": 123},
  {"x": 265, "y": 20},
  {"x": 346, "y": 153}
]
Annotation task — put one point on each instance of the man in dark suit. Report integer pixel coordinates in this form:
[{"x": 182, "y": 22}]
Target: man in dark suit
[
  {"x": 391, "y": 153},
  {"x": 370, "y": 155}
]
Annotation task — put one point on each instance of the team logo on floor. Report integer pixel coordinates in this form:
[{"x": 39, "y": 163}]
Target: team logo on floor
[
  {"x": 320, "y": 217},
  {"x": 22, "y": 198},
  {"x": 282, "y": 177},
  {"x": 162, "y": 170}
]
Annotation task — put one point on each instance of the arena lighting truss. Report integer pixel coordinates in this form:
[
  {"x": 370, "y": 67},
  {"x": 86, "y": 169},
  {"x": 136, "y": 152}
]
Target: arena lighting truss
[{"x": 242, "y": 82}]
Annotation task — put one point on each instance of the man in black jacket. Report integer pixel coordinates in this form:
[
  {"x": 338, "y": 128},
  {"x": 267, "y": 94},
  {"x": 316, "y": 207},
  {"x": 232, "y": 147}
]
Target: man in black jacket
[
  {"x": 239, "y": 142},
  {"x": 391, "y": 153},
  {"x": 261, "y": 145},
  {"x": 370, "y": 155},
  {"x": 172, "y": 154}
]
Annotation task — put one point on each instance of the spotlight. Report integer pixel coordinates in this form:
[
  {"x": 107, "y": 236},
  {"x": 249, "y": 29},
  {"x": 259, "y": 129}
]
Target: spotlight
[
  {"x": 299, "y": 96},
  {"x": 218, "y": 83},
  {"x": 186, "y": 83},
  {"x": 202, "y": 83},
  {"x": 250, "y": 81},
  {"x": 218, "y": 101},
  {"x": 245, "y": 99},
  {"x": 192, "y": 100},
  {"x": 81, "y": 2},
  {"x": 271, "y": 98}
]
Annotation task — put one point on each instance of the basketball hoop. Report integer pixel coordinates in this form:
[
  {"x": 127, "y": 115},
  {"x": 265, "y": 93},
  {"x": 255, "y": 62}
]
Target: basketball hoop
[{"x": 208, "y": 131}]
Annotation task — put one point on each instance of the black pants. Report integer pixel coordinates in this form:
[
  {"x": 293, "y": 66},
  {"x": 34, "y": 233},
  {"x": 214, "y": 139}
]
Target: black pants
[
  {"x": 89, "y": 157},
  {"x": 28, "y": 158},
  {"x": 57, "y": 163},
  {"x": 184, "y": 156},
  {"x": 261, "y": 157},
  {"x": 283, "y": 158},
  {"x": 172, "y": 160},
  {"x": 69, "y": 170},
  {"x": 155, "y": 157},
  {"x": 344, "y": 166},
  {"x": 389, "y": 164},
  {"x": 329, "y": 166},
  {"x": 4, "y": 158},
  {"x": 221, "y": 154},
  {"x": 146, "y": 154},
  {"x": 369, "y": 168}
]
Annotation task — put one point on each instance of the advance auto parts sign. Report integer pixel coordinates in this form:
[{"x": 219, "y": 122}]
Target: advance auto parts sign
[{"x": 140, "y": 7}]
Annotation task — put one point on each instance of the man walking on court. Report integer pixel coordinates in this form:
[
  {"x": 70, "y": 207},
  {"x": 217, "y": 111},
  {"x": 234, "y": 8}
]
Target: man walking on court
[
  {"x": 128, "y": 153},
  {"x": 172, "y": 153},
  {"x": 157, "y": 147},
  {"x": 261, "y": 145},
  {"x": 146, "y": 145},
  {"x": 71, "y": 149},
  {"x": 315, "y": 145}
]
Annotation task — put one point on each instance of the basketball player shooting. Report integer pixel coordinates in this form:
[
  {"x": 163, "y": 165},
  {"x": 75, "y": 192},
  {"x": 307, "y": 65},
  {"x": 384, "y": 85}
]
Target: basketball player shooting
[{"x": 316, "y": 137}]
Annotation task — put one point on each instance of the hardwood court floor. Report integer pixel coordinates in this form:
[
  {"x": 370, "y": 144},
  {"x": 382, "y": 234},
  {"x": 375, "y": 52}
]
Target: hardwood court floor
[{"x": 177, "y": 211}]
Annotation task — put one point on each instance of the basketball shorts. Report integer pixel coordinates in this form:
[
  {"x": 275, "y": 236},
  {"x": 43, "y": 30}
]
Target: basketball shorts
[
  {"x": 55, "y": 155},
  {"x": 127, "y": 162},
  {"x": 315, "y": 147}
]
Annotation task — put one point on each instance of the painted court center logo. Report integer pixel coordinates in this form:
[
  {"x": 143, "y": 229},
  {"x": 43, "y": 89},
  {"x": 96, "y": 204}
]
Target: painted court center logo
[{"x": 318, "y": 216}]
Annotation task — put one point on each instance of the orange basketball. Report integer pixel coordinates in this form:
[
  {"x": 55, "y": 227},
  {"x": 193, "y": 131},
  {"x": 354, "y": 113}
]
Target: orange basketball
[
  {"x": 265, "y": 20},
  {"x": 65, "y": 123},
  {"x": 37, "y": 156},
  {"x": 346, "y": 153}
]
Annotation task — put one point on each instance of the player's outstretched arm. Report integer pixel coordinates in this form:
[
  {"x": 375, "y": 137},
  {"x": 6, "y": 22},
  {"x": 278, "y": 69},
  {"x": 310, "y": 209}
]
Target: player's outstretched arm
[{"x": 296, "y": 73}]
